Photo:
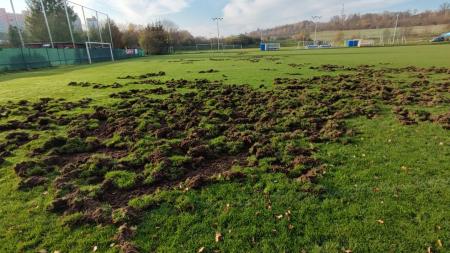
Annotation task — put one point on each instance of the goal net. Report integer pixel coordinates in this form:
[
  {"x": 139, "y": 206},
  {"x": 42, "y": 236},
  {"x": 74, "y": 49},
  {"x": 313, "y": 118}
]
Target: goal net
[
  {"x": 203, "y": 47},
  {"x": 272, "y": 46},
  {"x": 99, "y": 51},
  {"x": 232, "y": 46}
]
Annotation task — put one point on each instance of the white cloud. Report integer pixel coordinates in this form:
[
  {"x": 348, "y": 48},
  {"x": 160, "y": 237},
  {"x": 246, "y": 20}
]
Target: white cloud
[
  {"x": 137, "y": 11},
  {"x": 247, "y": 15}
]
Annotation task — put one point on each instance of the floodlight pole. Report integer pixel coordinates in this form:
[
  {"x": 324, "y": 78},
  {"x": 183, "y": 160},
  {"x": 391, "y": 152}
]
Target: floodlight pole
[
  {"x": 17, "y": 24},
  {"x": 218, "y": 32},
  {"x": 315, "y": 18},
  {"x": 69, "y": 23},
  {"x": 395, "y": 30},
  {"x": 46, "y": 23}
]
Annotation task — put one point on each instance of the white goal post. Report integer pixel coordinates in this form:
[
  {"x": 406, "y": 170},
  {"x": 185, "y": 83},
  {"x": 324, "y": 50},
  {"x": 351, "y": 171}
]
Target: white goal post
[{"x": 94, "y": 45}]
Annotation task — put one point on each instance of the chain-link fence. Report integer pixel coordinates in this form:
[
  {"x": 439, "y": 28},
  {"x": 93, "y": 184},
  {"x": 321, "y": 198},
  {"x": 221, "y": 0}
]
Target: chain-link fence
[
  {"x": 37, "y": 33},
  {"x": 30, "y": 58}
]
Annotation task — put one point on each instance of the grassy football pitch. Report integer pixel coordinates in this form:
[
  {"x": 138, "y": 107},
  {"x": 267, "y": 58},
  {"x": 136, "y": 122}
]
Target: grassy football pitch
[{"x": 339, "y": 150}]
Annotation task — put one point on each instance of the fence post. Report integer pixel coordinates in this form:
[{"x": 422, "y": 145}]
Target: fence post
[
  {"x": 48, "y": 58},
  {"x": 65, "y": 58},
  {"x": 98, "y": 26},
  {"x": 69, "y": 23},
  {"x": 110, "y": 34},
  {"x": 87, "y": 26},
  {"x": 46, "y": 23}
]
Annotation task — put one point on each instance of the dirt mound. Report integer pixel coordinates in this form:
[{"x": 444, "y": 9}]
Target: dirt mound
[
  {"x": 116, "y": 159},
  {"x": 144, "y": 76}
]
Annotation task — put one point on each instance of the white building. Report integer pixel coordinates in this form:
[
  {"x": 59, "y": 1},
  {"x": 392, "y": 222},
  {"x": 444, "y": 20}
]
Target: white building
[
  {"x": 7, "y": 19},
  {"x": 92, "y": 23}
]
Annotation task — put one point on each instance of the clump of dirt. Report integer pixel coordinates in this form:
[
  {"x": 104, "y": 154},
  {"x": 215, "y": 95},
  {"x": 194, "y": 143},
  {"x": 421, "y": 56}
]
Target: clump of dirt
[
  {"x": 404, "y": 116},
  {"x": 443, "y": 120},
  {"x": 96, "y": 85},
  {"x": 295, "y": 65},
  {"x": 144, "y": 76},
  {"x": 44, "y": 115},
  {"x": 116, "y": 159},
  {"x": 209, "y": 71}
]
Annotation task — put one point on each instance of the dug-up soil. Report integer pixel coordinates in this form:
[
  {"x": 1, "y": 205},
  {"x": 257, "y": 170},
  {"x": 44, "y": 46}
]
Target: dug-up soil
[{"x": 159, "y": 138}]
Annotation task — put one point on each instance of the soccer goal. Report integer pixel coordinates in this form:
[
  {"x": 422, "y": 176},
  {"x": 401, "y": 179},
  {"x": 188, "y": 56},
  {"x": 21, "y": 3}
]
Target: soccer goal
[
  {"x": 232, "y": 46},
  {"x": 271, "y": 46},
  {"x": 199, "y": 47},
  {"x": 98, "y": 51}
]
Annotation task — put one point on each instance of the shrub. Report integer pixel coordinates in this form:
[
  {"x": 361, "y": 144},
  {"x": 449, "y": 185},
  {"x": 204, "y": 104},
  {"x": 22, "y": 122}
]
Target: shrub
[{"x": 122, "y": 179}]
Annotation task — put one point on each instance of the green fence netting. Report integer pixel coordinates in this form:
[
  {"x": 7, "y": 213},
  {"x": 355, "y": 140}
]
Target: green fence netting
[{"x": 30, "y": 58}]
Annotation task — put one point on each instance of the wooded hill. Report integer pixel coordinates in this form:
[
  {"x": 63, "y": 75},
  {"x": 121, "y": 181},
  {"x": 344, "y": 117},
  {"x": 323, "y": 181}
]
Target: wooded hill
[{"x": 408, "y": 18}]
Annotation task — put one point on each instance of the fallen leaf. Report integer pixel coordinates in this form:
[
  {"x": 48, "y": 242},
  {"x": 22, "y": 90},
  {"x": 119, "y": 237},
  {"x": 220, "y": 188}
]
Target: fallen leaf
[
  {"x": 380, "y": 221},
  {"x": 376, "y": 189},
  {"x": 202, "y": 249},
  {"x": 290, "y": 226},
  {"x": 348, "y": 251},
  {"x": 439, "y": 243},
  {"x": 219, "y": 237},
  {"x": 279, "y": 217},
  {"x": 94, "y": 249},
  {"x": 429, "y": 250}
]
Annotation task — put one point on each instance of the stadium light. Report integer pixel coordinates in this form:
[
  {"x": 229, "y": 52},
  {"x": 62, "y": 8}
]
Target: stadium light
[
  {"x": 218, "y": 31},
  {"x": 395, "y": 30},
  {"x": 315, "y": 18}
]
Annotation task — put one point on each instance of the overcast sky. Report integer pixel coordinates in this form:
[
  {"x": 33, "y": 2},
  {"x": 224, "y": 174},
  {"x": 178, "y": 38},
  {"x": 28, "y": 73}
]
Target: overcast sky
[{"x": 239, "y": 15}]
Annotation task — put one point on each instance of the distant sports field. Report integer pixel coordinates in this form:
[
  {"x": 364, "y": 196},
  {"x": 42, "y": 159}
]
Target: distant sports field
[{"x": 334, "y": 150}]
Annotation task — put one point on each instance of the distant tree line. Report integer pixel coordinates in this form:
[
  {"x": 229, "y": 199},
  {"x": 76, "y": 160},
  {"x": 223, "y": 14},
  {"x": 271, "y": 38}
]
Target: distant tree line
[
  {"x": 159, "y": 37},
  {"x": 304, "y": 29}
]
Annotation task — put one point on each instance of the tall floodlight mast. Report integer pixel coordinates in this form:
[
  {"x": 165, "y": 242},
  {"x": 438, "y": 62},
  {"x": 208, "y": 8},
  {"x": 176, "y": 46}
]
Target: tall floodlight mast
[
  {"x": 315, "y": 18},
  {"x": 395, "y": 30},
  {"x": 218, "y": 31}
]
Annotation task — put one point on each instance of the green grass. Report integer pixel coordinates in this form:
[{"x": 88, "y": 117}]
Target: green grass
[{"x": 392, "y": 173}]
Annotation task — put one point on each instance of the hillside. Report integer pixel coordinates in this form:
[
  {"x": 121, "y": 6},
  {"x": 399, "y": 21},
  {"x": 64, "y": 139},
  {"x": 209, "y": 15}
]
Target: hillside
[
  {"x": 304, "y": 30},
  {"x": 412, "y": 34}
]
